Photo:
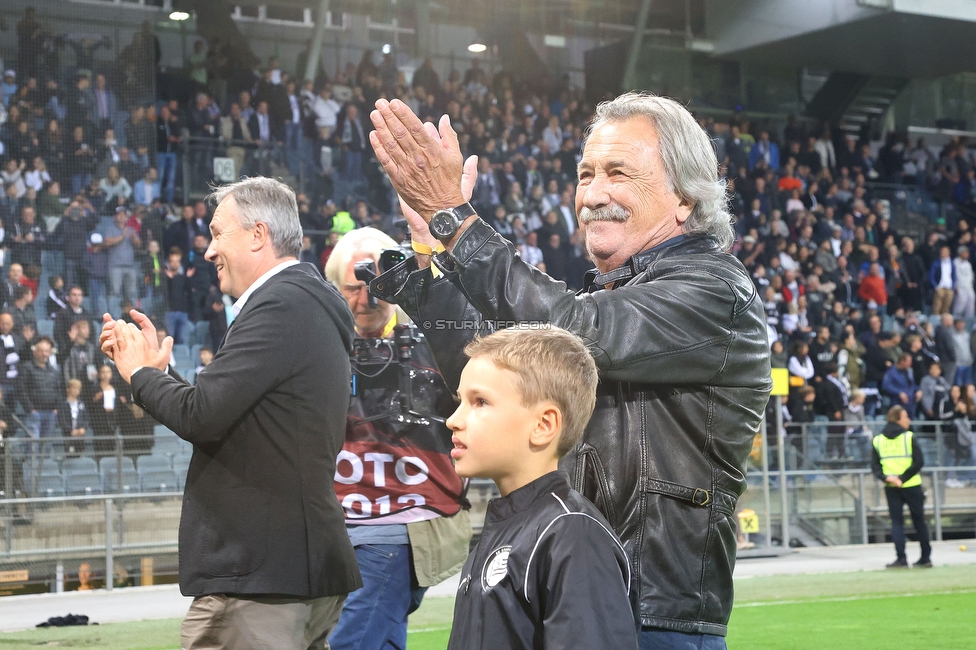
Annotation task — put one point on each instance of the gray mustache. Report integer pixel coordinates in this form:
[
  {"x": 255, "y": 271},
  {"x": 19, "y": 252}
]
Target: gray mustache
[{"x": 611, "y": 212}]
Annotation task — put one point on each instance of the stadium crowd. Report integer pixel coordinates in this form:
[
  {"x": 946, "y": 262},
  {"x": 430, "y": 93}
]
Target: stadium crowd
[{"x": 94, "y": 216}]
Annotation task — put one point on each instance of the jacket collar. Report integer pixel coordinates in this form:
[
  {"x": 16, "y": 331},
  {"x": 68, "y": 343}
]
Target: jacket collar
[
  {"x": 679, "y": 245},
  {"x": 525, "y": 496}
]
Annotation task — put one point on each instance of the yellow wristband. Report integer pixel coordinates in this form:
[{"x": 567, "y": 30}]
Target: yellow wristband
[{"x": 424, "y": 249}]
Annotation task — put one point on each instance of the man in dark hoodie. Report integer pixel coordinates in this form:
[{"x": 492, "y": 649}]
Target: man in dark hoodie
[
  {"x": 897, "y": 460},
  {"x": 263, "y": 546}
]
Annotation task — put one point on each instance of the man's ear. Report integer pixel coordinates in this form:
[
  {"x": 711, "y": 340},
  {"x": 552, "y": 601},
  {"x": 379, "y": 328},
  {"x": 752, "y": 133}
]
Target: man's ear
[
  {"x": 685, "y": 208},
  {"x": 260, "y": 236},
  {"x": 549, "y": 424}
]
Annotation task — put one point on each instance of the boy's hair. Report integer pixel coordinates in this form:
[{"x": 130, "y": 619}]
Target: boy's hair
[
  {"x": 894, "y": 413},
  {"x": 808, "y": 390},
  {"x": 552, "y": 365},
  {"x": 74, "y": 383},
  {"x": 857, "y": 394}
]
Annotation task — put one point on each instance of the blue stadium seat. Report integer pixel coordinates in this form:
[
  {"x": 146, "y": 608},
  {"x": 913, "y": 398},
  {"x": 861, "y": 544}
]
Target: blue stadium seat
[
  {"x": 109, "y": 468},
  {"x": 195, "y": 355},
  {"x": 153, "y": 462},
  {"x": 158, "y": 480},
  {"x": 182, "y": 353},
  {"x": 166, "y": 445},
  {"x": 45, "y": 327},
  {"x": 50, "y": 485},
  {"x": 202, "y": 334},
  {"x": 81, "y": 476}
]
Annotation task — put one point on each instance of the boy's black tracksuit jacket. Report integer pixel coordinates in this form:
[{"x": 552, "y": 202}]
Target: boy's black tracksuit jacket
[{"x": 548, "y": 573}]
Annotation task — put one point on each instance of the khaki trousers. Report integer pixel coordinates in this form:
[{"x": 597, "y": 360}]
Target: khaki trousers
[
  {"x": 221, "y": 622},
  {"x": 942, "y": 301}
]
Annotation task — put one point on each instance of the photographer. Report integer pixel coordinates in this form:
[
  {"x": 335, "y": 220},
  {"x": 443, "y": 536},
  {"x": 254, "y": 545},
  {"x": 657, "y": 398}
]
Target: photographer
[{"x": 402, "y": 500}]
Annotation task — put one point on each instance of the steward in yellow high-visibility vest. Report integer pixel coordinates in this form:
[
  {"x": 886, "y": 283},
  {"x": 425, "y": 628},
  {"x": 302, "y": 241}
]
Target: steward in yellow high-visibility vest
[{"x": 897, "y": 459}]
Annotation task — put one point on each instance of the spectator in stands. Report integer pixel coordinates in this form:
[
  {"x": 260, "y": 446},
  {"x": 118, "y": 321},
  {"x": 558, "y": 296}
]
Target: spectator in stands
[
  {"x": 554, "y": 256},
  {"x": 40, "y": 391},
  {"x": 201, "y": 275},
  {"x": 352, "y": 137},
  {"x": 872, "y": 289},
  {"x": 67, "y": 317},
  {"x": 168, "y": 138},
  {"x": 28, "y": 238},
  {"x": 73, "y": 418},
  {"x": 147, "y": 189},
  {"x": 268, "y": 133},
  {"x": 202, "y": 125},
  {"x": 899, "y": 384},
  {"x": 964, "y": 303},
  {"x": 935, "y": 391},
  {"x": 831, "y": 401},
  {"x": 204, "y": 359},
  {"x": 182, "y": 233},
  {"x": 115, "y": 187},
  {"x": 766, "y": 150},
  {"x": 139, "y": 137},
  {"x": 106, "y": 402},
  {"x": 530, "y": 251},
  {"x": 236, "y": 134},
  {"x": 22, "y": 309},
  {"x": 821, "y": 352},
  {"x": 15, "y": 272},
  {"x": 56, "y": 298},
  {"x": 72, "y": 232},
  {"x": 176, "y": 289},
  {"x": 945, "y": 347},
  {"x": 80, "y": 159},
  {"x": 153, "y": 265},
  {"x": 120, "y": 243},
  {"x": 105, "y": 107},
  {"x": 95, "y": 265},
  {"x": 942, "y": 276},
  {"x": 326, "y": 111},
  {"x": 962, "y": 339},
  {"x": 82, "y": 358},
  {"x": 14, "y": 350},
  {"x": 215, "y": 312}
]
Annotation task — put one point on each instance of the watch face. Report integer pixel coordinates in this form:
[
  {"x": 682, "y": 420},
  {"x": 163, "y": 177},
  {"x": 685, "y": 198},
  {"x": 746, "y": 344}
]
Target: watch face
[{"x": 443, "y": 224}]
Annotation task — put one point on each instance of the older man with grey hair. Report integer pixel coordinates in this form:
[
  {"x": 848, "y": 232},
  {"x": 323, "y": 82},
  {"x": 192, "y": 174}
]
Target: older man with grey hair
[
  {"x": 263, "y": 548},
  {"x": 673, "y": 320}
]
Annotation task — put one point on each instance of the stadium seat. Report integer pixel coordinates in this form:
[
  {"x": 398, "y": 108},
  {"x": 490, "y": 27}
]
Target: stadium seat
[
  {"x": 202, "y": 334},
  {"x": 195, "y": 355},
  {"x": 45, "y": 327},
  {"x": 81, "y": 476},
  {"x": 166, "y": 445},
  {"x": 153, "y": 462},
  {"x": 109, "y": 468},
  {"x": 182, "y": 353},
  {"x": 50, "y": 485},
  {"x": 158, "y": 480}
]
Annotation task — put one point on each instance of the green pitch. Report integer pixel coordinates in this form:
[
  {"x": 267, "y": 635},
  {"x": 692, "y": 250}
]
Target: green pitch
[{"x": 914, "y": 609}]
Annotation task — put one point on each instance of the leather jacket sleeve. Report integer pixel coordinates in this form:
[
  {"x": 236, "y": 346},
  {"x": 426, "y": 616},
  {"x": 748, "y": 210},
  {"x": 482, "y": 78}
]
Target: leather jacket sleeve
[{"x": 680, "y": 327}]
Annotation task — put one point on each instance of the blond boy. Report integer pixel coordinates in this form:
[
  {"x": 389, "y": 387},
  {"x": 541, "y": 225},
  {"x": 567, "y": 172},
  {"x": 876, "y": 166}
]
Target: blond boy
[{"x": 548, "y": 571}]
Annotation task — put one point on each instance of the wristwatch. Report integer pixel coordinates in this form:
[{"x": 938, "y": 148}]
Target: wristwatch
[{"x": 445, "y": 223}]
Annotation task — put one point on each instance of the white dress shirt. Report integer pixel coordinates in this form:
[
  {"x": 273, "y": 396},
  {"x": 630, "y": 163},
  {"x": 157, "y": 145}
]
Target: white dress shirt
[{"x": 257, "y": 284}]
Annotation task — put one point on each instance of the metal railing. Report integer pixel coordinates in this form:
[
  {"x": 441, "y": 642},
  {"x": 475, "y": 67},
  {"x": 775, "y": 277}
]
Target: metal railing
[{"x": 823, "y": 499}]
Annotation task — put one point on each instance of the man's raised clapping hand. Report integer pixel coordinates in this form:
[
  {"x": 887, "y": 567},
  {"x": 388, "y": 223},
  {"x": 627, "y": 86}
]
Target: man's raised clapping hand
[{"x": 132, "y": 347}]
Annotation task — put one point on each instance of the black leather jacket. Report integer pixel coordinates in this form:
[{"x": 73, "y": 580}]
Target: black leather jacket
[{"x": 680, "y": 343}]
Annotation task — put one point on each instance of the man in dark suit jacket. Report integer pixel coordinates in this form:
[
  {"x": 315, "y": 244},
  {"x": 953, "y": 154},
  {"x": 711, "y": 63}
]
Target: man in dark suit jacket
[{"x": 263, "y": 545}]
